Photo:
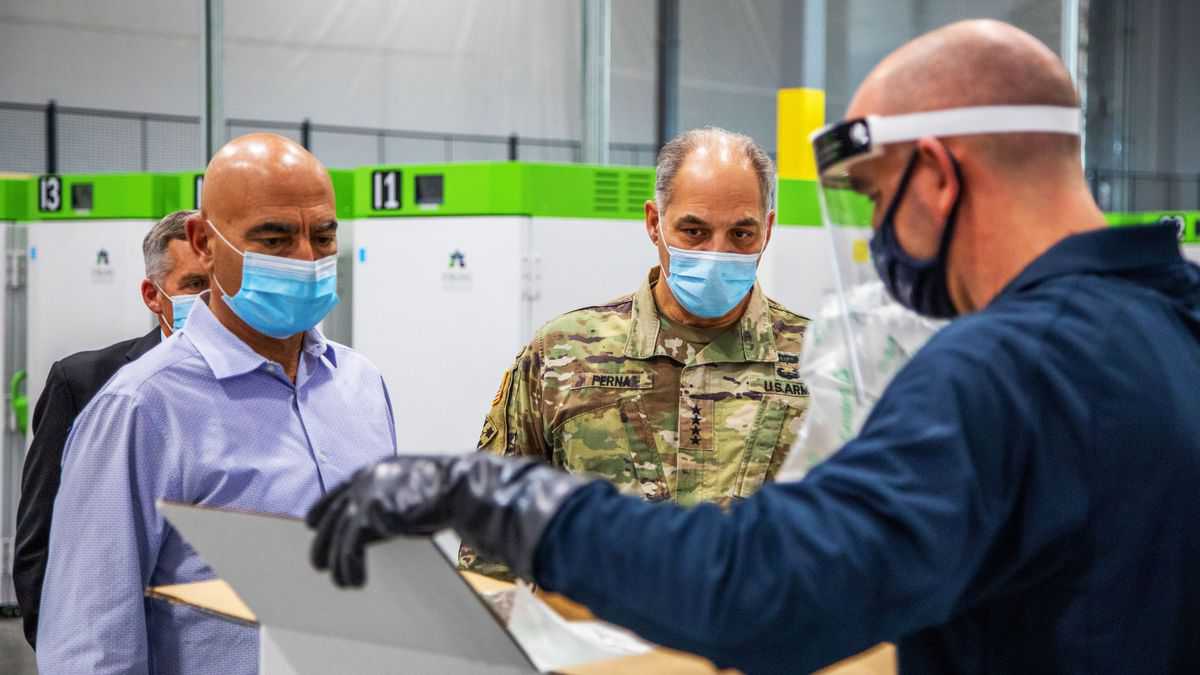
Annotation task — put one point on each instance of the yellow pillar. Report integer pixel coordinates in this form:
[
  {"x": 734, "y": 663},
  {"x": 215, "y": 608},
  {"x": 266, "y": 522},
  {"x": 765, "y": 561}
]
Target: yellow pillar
[{"x": 800, "y": 112}]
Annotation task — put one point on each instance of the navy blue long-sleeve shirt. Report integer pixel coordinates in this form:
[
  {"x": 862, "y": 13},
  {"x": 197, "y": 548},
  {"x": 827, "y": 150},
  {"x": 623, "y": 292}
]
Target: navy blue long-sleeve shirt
[{"x": 1025, "y": 497}]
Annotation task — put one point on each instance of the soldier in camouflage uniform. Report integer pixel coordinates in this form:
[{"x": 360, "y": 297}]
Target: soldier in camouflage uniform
[{"x": 663, "y": 403}]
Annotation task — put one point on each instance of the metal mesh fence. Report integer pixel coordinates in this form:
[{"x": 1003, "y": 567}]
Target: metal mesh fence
[
  {"x": 414, "y": 150},
  {"x": 473, "y": 151},
  {"x": 635, "y": 154},
  {"x": 87, "y": 142},
  {"x": 94, "y": 141},
  {"x": 23, "y": 139},
  {"x": 1144, "y": 191},
  {"x": 235, "y": 128},
  {"x": 173, "y": 145},
  {"x": 345, "y": 150},
  {"x": 550, "y": 150}
]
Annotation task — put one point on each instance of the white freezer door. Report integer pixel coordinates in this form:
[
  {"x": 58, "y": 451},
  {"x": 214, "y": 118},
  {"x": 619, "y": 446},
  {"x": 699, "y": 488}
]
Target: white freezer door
[
  {"x": 441, "y": 327},
  {"x": 10, "y": 461},
  {"x": 83, "y": 290},
  {"x": 586, "y": 262},
  {"x": 796, "y": 269}
]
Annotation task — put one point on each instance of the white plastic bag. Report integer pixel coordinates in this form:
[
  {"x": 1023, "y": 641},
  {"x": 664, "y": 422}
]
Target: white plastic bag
[
  {"x": 884, "y": 336},
  {"x": 551, "y": 641}
]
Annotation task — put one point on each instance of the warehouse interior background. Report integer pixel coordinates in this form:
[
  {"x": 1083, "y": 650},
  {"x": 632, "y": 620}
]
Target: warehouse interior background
[
  {"x": 151, "y": 85},
  {"x": 384, "y": 82}
]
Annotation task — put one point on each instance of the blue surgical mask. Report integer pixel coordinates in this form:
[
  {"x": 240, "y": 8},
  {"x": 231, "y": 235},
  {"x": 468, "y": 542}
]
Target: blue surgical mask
[
  {"x": 709, "y": 284},
  {"x": 281, "y": 297},
  {"x": 181, "y": 306},
  {"x": 919, "y": 285}
]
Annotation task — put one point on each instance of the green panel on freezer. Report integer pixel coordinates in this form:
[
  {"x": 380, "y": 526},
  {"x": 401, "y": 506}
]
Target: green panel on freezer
[
  {"x": 101, "y": 196},
  {"x": 343, "y": 191},
  {"x": 14, "y": 198},
  {"x": 585, "y": 191},
  {"x": 798, "y": 206},
  {"x": 181, "y": 191},
  {"x": 502, "y": 188},
  {"x": 1190, "y": 221}
]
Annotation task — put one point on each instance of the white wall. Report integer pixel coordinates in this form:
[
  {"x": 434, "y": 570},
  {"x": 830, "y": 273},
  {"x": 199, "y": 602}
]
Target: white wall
[
  {"x": 128, "y": 56},
  {"x": 481, "y": 66},
  {"x": 476, "y": 66},
  {"x": 467, "y": 65}
]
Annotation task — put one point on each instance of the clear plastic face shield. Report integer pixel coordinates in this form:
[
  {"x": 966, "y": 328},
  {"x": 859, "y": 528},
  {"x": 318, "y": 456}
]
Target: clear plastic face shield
[{"x": 862, "y": 336}]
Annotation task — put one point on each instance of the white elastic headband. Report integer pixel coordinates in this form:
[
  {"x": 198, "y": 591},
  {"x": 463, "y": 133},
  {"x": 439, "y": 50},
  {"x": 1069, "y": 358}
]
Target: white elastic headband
[
  {"x": 988, "y": 119},
  {"x": 994, "y": 119}
]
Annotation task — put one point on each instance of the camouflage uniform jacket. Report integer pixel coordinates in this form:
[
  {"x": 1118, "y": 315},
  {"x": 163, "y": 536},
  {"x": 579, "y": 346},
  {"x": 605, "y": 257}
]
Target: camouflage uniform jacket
[{"x": 606, "y": 391}]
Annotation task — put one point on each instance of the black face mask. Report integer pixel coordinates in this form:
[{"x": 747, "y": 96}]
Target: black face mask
[{"x": 920, "y": 285}]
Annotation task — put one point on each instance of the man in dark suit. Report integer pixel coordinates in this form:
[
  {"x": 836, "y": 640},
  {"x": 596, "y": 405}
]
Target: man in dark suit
[{"x": 174, "y": 277}]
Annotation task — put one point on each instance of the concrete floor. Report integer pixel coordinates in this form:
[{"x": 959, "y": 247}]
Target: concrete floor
[{"x": 16, "y": 658}]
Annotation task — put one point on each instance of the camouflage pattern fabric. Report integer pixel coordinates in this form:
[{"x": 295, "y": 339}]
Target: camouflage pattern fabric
[{"x": 612, "y": 391}]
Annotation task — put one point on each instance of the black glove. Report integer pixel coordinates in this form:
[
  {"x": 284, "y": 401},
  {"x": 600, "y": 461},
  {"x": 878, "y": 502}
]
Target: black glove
[{"x": 499, "y": 507}]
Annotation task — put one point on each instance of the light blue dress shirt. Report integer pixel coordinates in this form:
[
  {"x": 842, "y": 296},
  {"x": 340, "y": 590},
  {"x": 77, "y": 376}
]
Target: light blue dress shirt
[{"x": 199, "y": 419}]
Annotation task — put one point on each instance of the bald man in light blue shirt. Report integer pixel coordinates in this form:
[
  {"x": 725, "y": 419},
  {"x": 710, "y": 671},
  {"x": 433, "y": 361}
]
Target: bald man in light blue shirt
[{"x": 225, "y": 413}]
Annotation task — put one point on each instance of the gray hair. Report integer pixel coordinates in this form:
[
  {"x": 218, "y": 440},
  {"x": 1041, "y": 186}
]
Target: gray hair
[
  {"x": 672, "y": 155},
  {"x": 154, "y": 246}
]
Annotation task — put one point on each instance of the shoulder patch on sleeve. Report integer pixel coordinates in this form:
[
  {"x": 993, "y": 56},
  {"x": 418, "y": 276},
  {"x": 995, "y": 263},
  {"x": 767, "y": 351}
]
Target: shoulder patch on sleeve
[
  {"x": 621, "y": 305},
  {"x": 788, "y": 314},
  {"x": 503, "y": 387}
]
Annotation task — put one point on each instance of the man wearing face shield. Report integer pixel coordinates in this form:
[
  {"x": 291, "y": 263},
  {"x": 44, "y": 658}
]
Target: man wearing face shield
[
  {"x": 248, "y": 407},
  {"x": 686, "y": 391},
  {"x": 1022, "y": 498}
]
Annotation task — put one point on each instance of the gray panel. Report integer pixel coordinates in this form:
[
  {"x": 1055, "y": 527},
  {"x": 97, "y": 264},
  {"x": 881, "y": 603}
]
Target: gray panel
[
  {"x": 398, "y": 150},
  {"x": 473, "y": 151},
  {"x": 345, "y": 150},
  {"x": 173, "y": 146},
  {"x": 414, "y": 598},
  {"x": 22, "y": 140},
  {"x": 93, "y": 144},
  {"x": 285, "y": 652},
  {"x": 235, "y": 130},
  {"x": 528, "y": 152},
  {"x": 639, "y": 155},
  {"x": 1148, "y": 194}
]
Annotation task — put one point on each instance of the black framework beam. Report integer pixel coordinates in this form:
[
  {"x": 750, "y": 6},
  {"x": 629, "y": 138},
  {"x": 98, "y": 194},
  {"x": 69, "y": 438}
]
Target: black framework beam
[
  {"x": 306, "y": 134},
  {"x": 666, "y": 100},
  {"x": 513, "y": 143},
  {"x": 144, "y": 128},
  {"x": 214, "y": 81},
  {"x": 51, "y": 137}
]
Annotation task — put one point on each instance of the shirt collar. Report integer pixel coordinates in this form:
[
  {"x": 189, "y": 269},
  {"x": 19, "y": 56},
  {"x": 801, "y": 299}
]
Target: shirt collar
[
  {"x": 754, "y": 339},
  {"x": 644, "y": 324},
  {"x": 225, "y": 353},
  {"x": 1106, "y": 250},
  {"x": 318, "y": 347}
]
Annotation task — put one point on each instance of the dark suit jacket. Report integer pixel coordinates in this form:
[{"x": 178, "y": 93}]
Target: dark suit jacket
[{"x": 71, "y": 384}]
